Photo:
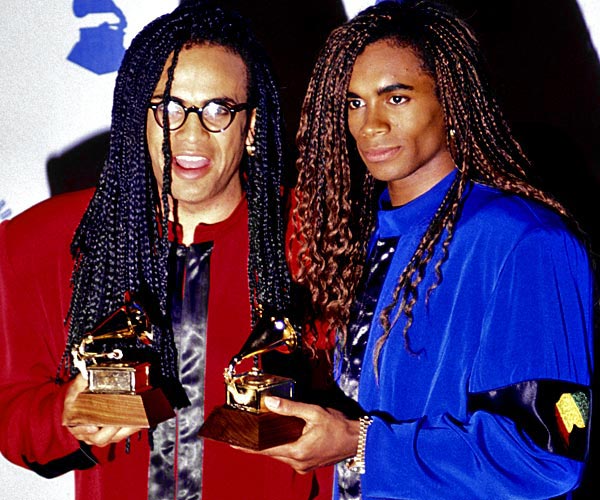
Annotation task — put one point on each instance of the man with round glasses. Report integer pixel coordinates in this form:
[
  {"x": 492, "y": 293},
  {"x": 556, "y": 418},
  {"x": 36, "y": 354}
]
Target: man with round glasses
[{"x": 187, "y": 216}]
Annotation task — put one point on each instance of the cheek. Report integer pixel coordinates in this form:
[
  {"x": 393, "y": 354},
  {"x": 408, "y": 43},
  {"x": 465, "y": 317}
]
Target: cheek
[
  {"x": 154, "y": 140},
  {"x": 353, "y": 125},
  {"x": 437, "y": 132},
  {"x": 426, "y": 128},
  {"x": 233, "y": 144}
]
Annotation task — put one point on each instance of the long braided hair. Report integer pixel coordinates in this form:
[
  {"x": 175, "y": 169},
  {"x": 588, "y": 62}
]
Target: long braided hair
[
  {"x": 121, "y": 243},
  {"x": 336, "y": 196}
]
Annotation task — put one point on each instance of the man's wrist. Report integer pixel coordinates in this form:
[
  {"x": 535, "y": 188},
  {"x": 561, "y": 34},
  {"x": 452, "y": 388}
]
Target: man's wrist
[{"x": 357, "y": 463}]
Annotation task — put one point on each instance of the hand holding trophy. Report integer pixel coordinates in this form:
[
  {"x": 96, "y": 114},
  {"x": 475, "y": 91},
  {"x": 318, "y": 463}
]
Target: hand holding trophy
[
  {"x": 115, "y": 358},
  {"x": 244, "y": 420}
]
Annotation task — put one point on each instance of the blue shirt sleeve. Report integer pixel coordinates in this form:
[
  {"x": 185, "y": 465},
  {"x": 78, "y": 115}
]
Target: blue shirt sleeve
[{"x": 537, "y": 325}]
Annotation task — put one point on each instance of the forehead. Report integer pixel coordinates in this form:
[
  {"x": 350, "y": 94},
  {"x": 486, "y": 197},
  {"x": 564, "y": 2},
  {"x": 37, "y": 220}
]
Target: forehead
[
  {"x": 383, "y": 63},
  {"x": 205, "y": 72}
]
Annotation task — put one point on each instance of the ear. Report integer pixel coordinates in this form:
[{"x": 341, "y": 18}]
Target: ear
[
  {"x": 251, "y": 125},
  {"x": 250, "y": 147}
]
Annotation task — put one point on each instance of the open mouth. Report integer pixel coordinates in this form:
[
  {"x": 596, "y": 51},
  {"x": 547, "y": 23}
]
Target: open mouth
[{"x": 189, "y": 162}]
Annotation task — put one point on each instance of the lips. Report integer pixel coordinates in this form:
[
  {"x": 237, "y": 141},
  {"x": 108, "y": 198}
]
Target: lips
[
  {"x": 379, "y": 154},
  {"x": 190, "y": 166}
]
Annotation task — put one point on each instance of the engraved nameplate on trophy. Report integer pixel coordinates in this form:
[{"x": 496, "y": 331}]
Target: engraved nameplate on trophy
[
  {"x": 113, "y": 359},
  {"x": 244, "y": 420}
]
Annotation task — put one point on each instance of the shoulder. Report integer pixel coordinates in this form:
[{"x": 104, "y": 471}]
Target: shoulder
[
  {"x": 503, "y": 214},
  {"x": 51, "y": 220},
  {"x": 503, "y": 224}
]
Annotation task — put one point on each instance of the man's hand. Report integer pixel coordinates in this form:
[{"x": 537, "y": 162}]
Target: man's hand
[
  {"x": 92, "y": 434},
  {"x": 328, "y": 436}
]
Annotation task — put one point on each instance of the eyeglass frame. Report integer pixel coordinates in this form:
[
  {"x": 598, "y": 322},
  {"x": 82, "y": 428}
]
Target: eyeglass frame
[{"x": 232, "y": 108}]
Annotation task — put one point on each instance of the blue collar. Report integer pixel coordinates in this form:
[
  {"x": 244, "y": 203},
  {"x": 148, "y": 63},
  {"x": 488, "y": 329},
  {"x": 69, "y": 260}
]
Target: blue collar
[{"x": 400, "y": 220}]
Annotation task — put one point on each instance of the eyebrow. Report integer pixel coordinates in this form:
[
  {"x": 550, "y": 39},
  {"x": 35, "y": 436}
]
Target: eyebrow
[
  {"x": 219, "y": 99},
  {"x": 387, "y": 89}
]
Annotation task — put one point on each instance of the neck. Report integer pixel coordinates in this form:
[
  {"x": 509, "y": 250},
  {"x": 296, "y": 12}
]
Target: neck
[
  {"x": 403, "y": 191},
  {"x": 189, "y": 216}
]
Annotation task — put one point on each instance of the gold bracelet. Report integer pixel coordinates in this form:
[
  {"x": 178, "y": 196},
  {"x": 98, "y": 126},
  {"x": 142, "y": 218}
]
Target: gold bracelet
[{"x": 357, "y": 463}]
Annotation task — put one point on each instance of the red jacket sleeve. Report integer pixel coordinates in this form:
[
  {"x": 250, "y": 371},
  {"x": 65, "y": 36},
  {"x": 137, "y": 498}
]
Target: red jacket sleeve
[{"x": 35, "y": 271}]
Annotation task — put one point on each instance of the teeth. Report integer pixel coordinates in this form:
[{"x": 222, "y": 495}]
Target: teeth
[
  {"x": 188, "y": 161},
  {"x": 190, "y": 158}
]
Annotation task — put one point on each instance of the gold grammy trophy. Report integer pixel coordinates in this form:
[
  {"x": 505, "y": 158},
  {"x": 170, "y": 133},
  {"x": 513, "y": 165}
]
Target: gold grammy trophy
[
  {"x": 111, "y": 357},
  {"x": 244, "y": 420}
]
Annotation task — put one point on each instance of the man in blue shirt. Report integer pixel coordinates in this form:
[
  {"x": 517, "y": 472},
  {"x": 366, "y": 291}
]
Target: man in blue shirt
[{"x": 460, "y": 296}]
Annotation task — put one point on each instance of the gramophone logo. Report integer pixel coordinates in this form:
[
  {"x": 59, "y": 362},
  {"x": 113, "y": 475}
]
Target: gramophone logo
[
  {"x": 5, "y": 212},
  {"x": 100, "y": 48}
]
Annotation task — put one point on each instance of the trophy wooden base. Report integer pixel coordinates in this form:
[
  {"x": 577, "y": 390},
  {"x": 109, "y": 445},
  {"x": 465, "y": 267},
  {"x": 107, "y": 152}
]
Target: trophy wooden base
[
  {"x": 145, "y": 409},
  {"x": 256, "y": 431}
]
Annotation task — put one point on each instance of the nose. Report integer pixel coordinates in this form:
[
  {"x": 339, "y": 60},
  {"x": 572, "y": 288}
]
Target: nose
[
  {"x": 375, "y": 122},
  {"x": 192, "y": 129}
]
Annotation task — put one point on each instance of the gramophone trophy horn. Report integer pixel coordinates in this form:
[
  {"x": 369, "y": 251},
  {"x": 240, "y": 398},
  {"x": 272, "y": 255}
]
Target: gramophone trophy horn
[
  {"x": 115, "y": 358},
  {"x": 244, "y": 419}
]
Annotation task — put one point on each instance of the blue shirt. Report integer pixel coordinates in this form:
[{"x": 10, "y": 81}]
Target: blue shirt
[{"x": 515, "y": 304}]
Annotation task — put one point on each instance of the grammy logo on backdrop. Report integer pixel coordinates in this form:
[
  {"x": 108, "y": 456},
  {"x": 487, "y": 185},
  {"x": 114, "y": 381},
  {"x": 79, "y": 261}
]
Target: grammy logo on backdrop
[
  {"x": 115, "y": 359},
  {"x": 244, "y": 420}
]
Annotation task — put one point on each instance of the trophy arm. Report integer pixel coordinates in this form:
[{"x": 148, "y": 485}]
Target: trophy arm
[{"x": 81, "y": 355}]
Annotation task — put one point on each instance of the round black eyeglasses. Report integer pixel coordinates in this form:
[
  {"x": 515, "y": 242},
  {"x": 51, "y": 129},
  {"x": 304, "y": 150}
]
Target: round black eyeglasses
[{"x": 215, "y": 116}]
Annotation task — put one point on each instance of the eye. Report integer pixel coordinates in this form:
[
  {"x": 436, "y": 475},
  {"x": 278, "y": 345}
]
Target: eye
[
  {"x": 174, "y": 109},
  {"x": 354, "y": 103},
  {"x": 216, "y": 109},
  {"x": 398, "y": 99}
]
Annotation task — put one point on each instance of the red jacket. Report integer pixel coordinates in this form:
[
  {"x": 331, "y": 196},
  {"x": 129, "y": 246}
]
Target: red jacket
[{"x": 35, "y": 270}]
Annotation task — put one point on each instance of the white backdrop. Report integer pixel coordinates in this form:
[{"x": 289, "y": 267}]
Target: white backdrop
[{"x": 50, "y": 104}]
